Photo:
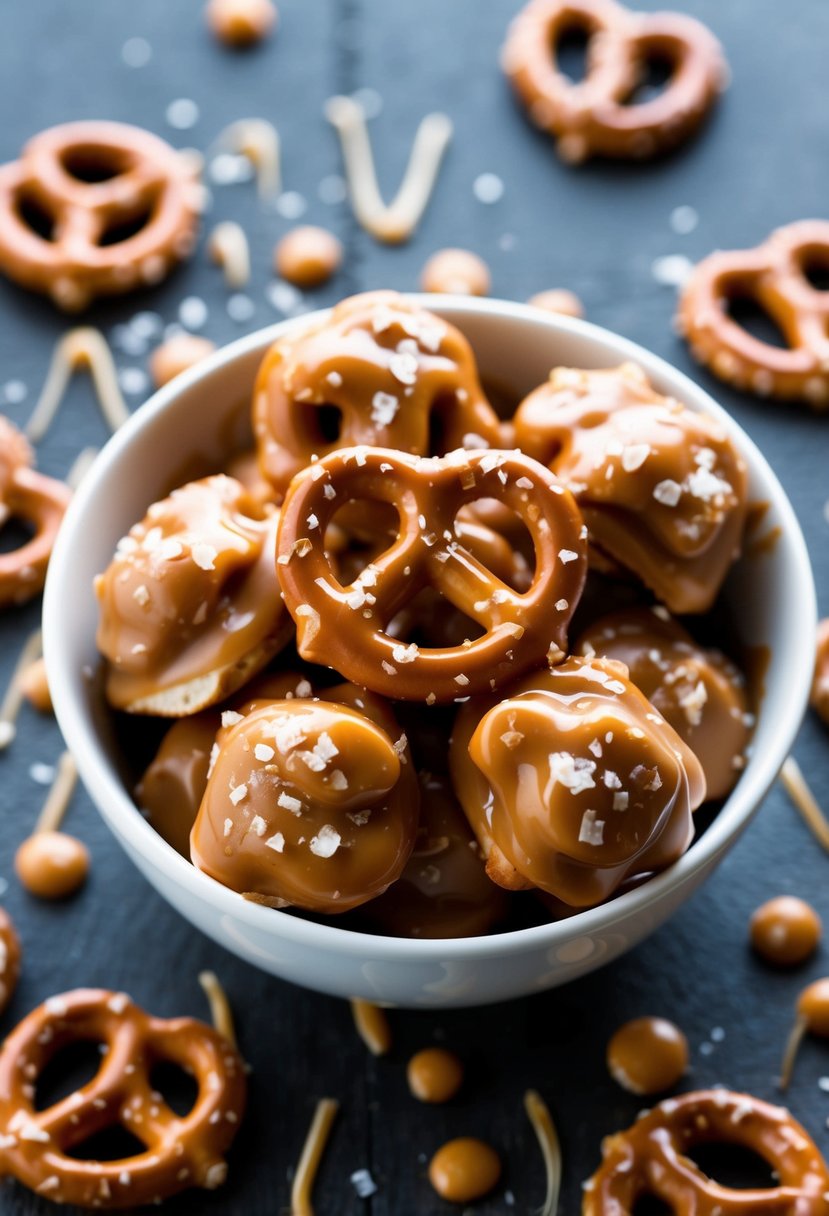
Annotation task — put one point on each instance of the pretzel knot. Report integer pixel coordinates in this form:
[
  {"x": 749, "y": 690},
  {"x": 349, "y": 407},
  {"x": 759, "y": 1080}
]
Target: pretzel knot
[
  {"x": 600, "y": 115},
  {"x": 180, "y": 1151},
  {"x": 651, "y": 1159},
  {"x": 775, "y": 276},
  {"x": 351, "y": 627},
  {"x": 35, "y": 500},
  {"x": 95, "y": 208}
]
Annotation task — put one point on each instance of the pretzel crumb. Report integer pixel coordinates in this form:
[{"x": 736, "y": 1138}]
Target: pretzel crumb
[
  {"x": 83, "y": 347},
  {"x": 312, "y": 1151},
  {"x": 372, "y": 1026},
  {"x": 228, "y": 247},
  {"x": 545, "y": 1130},
  {"x": 804, "y": 800},
  {"x": 10, "y": 706},
  {"x": 220, "y": 1011}
]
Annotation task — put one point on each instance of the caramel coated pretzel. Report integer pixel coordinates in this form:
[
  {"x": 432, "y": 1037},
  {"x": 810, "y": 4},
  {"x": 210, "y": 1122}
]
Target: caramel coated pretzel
[
  {"x": 773, "y": 275},
  {"x": 346, "y": 627},
  {"x": 9, "y": 959},
  {"x": 650, "y": 1158},
  {"x": 590, "y": 117},
  {"x": 89, "y": 181},
  {"x": 180, "y": 1151},
  {"x": 38, "y": 500}
]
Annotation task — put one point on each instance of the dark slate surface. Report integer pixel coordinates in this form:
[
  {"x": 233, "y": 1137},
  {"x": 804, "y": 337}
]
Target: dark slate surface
[{"x": 763, "y": 161}]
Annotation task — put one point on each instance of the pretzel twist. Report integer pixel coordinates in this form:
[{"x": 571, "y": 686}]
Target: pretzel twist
[
  {"x": 180, "y": 1151},
  {"x": 347, "y": 627},
  {"x": 34, "y": 499},
  {"x": 774, "y": 276},
  {"x": 591, "y": 117},
  {"x": 88, "y": 180},
  {"x": 651, "y": 1158}
]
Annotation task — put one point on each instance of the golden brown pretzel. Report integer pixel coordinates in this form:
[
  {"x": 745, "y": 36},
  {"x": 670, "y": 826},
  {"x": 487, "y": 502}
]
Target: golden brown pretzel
[
  {"x": 35, "y": 499},
  {"x": 9, "y": 959},
  {"x": 774, "y": 276},
  {"x": 591, "y": 117},
  {"x": 180, "y": 1151},
  {"x": 381, "y": 371},
  {"x": 651, "y": 1159},
  {"x": 346, "y": 627},
  {"x": 119, "y": 207}
]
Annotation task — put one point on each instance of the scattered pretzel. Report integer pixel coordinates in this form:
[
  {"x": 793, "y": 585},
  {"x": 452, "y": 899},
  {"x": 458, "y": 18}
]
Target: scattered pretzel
[
  {"x": 545, "y": 1130},
  {"x": 394, "y": 222},
  {"x": 180, "y": 1151},
  {"x": 372, "y": 1026},
  {"x": 79, "y": 348},
  {"x": 774, "y": 275},
  {"x": 591, "y": 117},
  {"x": 228, "y": 247},
  {"x": 37, "y": 500},
  {"x": 312, "y": 1151},
  {"x": 812, "y": 1017},
  {"x": 220, "y": 1010},
  {"x": 13, "y": 699},
  {"x": 804, "y": 800},
  {"x": 347, "y": 626},
  {"x": 51, "y": 864},
  {"x": 258, "y": 141},
  {"x": 118, "y": 207},
  {"x": 9, "y": 959},
  {"x": 650, "y": 1159}
]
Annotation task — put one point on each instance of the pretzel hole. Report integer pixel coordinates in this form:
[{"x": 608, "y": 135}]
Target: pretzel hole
[
  {"x": 177, "y": 1087},
  {"x": 816, "y": 271},
  {"x": 35, "y": 216},
  {"x": 118, "y": 231},
  {"x": 747, "y": 312},
  {"x": 429, "y": 620},
  {"x": 70, "y": 1068},
  {"x": 570, "y": 51},
  {"x": 651, "y": 1205},
  {"x": 112, "y": 1143},
  {"x": 320, "y": 426},
  {"x": 95, "y": 164},
  {"x": 655, "y": 73},
  {"x": 733, "y": 1165},
  {"x": 14, "y": 534},
  {"x": 510, "y": 554},
  {"x": 359, "y": 531}
]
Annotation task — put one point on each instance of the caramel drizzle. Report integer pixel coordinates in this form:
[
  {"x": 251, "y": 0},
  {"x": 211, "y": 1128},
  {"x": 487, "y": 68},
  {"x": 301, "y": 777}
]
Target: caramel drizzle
[
  {"x": 10, "y": 706},
  {"x": 312, "y": 1151},
  {"x": 83, "y": 347},
  {"x": 59, "y": 796},
  {"x": 259, "y": 141},
  {"x": 372, "y": 1026},
  {"x": 220, "y": 1012},
  {"x": 394, "y": 222},
  {"x": 796, "y": 1034},
  {"x": 804, "y": 800},
  {"x": 539, "y": 1116},
  {"x": 228, "y": 247},
  {"x": 80, "y": 467}
]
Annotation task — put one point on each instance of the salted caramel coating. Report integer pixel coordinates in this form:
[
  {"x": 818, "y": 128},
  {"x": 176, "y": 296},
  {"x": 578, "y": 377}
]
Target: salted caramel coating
[
  {"x": 52, "y": 865},
  {"x": 347, "y": 626},
  {"x": 654, "y": 1158},
  {"x": 820, "y": 684},
  {"x": 574, "y": 783},
  {"x": 34, "y": 685},
  {"x": 662, "y": 489},
  {"x": 785, "y": 930},
  {"x": 309, "y": 803},
  {"x": 122, "y": 206},
  {"x": 464, "y": 1170},
  {"x": 241, "y": 23},
  {"x": 35, "y": 500},
  {"x": 647, "y": 1055},
  {"x": 774, "y": 275},
  {"x": 190, "y": 606},
  {"x": 595, "y": 116},
  {"x": 379, "y": 371},
  {"x": 308, "y": 256},
  {"x": 434, "y": 1075},
  {"x": 558, "y": 300},
  {"x": 444, "y": 890},
  {"x": 456, "y": 272},
  {"x": 178, "y": 354},
  {"x": 700, "y": 692},
  {"x": 177, "y": 1151},
  {"x": 9, "y": 959}
]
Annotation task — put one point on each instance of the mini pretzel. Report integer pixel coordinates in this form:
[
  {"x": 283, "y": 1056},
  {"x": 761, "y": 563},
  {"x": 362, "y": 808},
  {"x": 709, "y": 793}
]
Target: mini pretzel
[
  {"x": 9, "y": 959},
  {"x": 346, "y": 627},
  {"x": 381, "y": 371},
  {"x": 118, "y": 205},
  {"x": 35, "y": 499},
  {"x": 180, "y": 1151},
  {"x": 591, "y": 117},
  {"x": 651, "y": 1159},
  {"x": 773, "y": 275}
]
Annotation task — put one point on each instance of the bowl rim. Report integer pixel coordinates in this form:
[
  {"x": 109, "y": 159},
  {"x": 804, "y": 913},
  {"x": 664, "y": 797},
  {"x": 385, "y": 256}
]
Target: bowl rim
[{"x": 132, "y": 829}]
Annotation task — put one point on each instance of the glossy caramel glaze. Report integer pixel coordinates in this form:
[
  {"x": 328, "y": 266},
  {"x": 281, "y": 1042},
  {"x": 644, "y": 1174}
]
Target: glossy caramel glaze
[
  {"x": 190, "y": 606},
  {"x": 9, "y": 959},
  {"x": 785, "y": 931},
  {"x": 52, "y": 865},
  {"x": 661, "y": 488},
  {"x": 464, "y": 1170},
  {"x": 647, "y": 1055},
  {"x": 700, "y": 692},
  {"x": 310, "y": 803},
  {"x": 820, "y": 683},
  {"x": 308, "y": 256},
  {"x": 178, "y": 354},
  {"x": 379, "y": 371},
  {"x": 434, "y": 1075},
  {"x": 574, "y": 782},
  {"x": 444, "y": 890}
]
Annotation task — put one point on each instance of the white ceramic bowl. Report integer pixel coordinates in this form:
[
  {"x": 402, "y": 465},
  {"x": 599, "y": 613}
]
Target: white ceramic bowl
[{"x": 772, "y": 596}]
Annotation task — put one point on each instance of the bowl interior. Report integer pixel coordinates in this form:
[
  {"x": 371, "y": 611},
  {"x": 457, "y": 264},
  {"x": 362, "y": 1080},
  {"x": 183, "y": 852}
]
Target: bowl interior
[{"x": 192, "y": 425}]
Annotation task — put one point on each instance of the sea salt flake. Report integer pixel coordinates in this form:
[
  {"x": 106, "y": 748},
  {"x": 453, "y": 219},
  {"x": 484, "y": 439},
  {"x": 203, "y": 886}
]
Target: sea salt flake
[
  {"x": 592, "y": 829},
  {"x": 326, "y": 842}
]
